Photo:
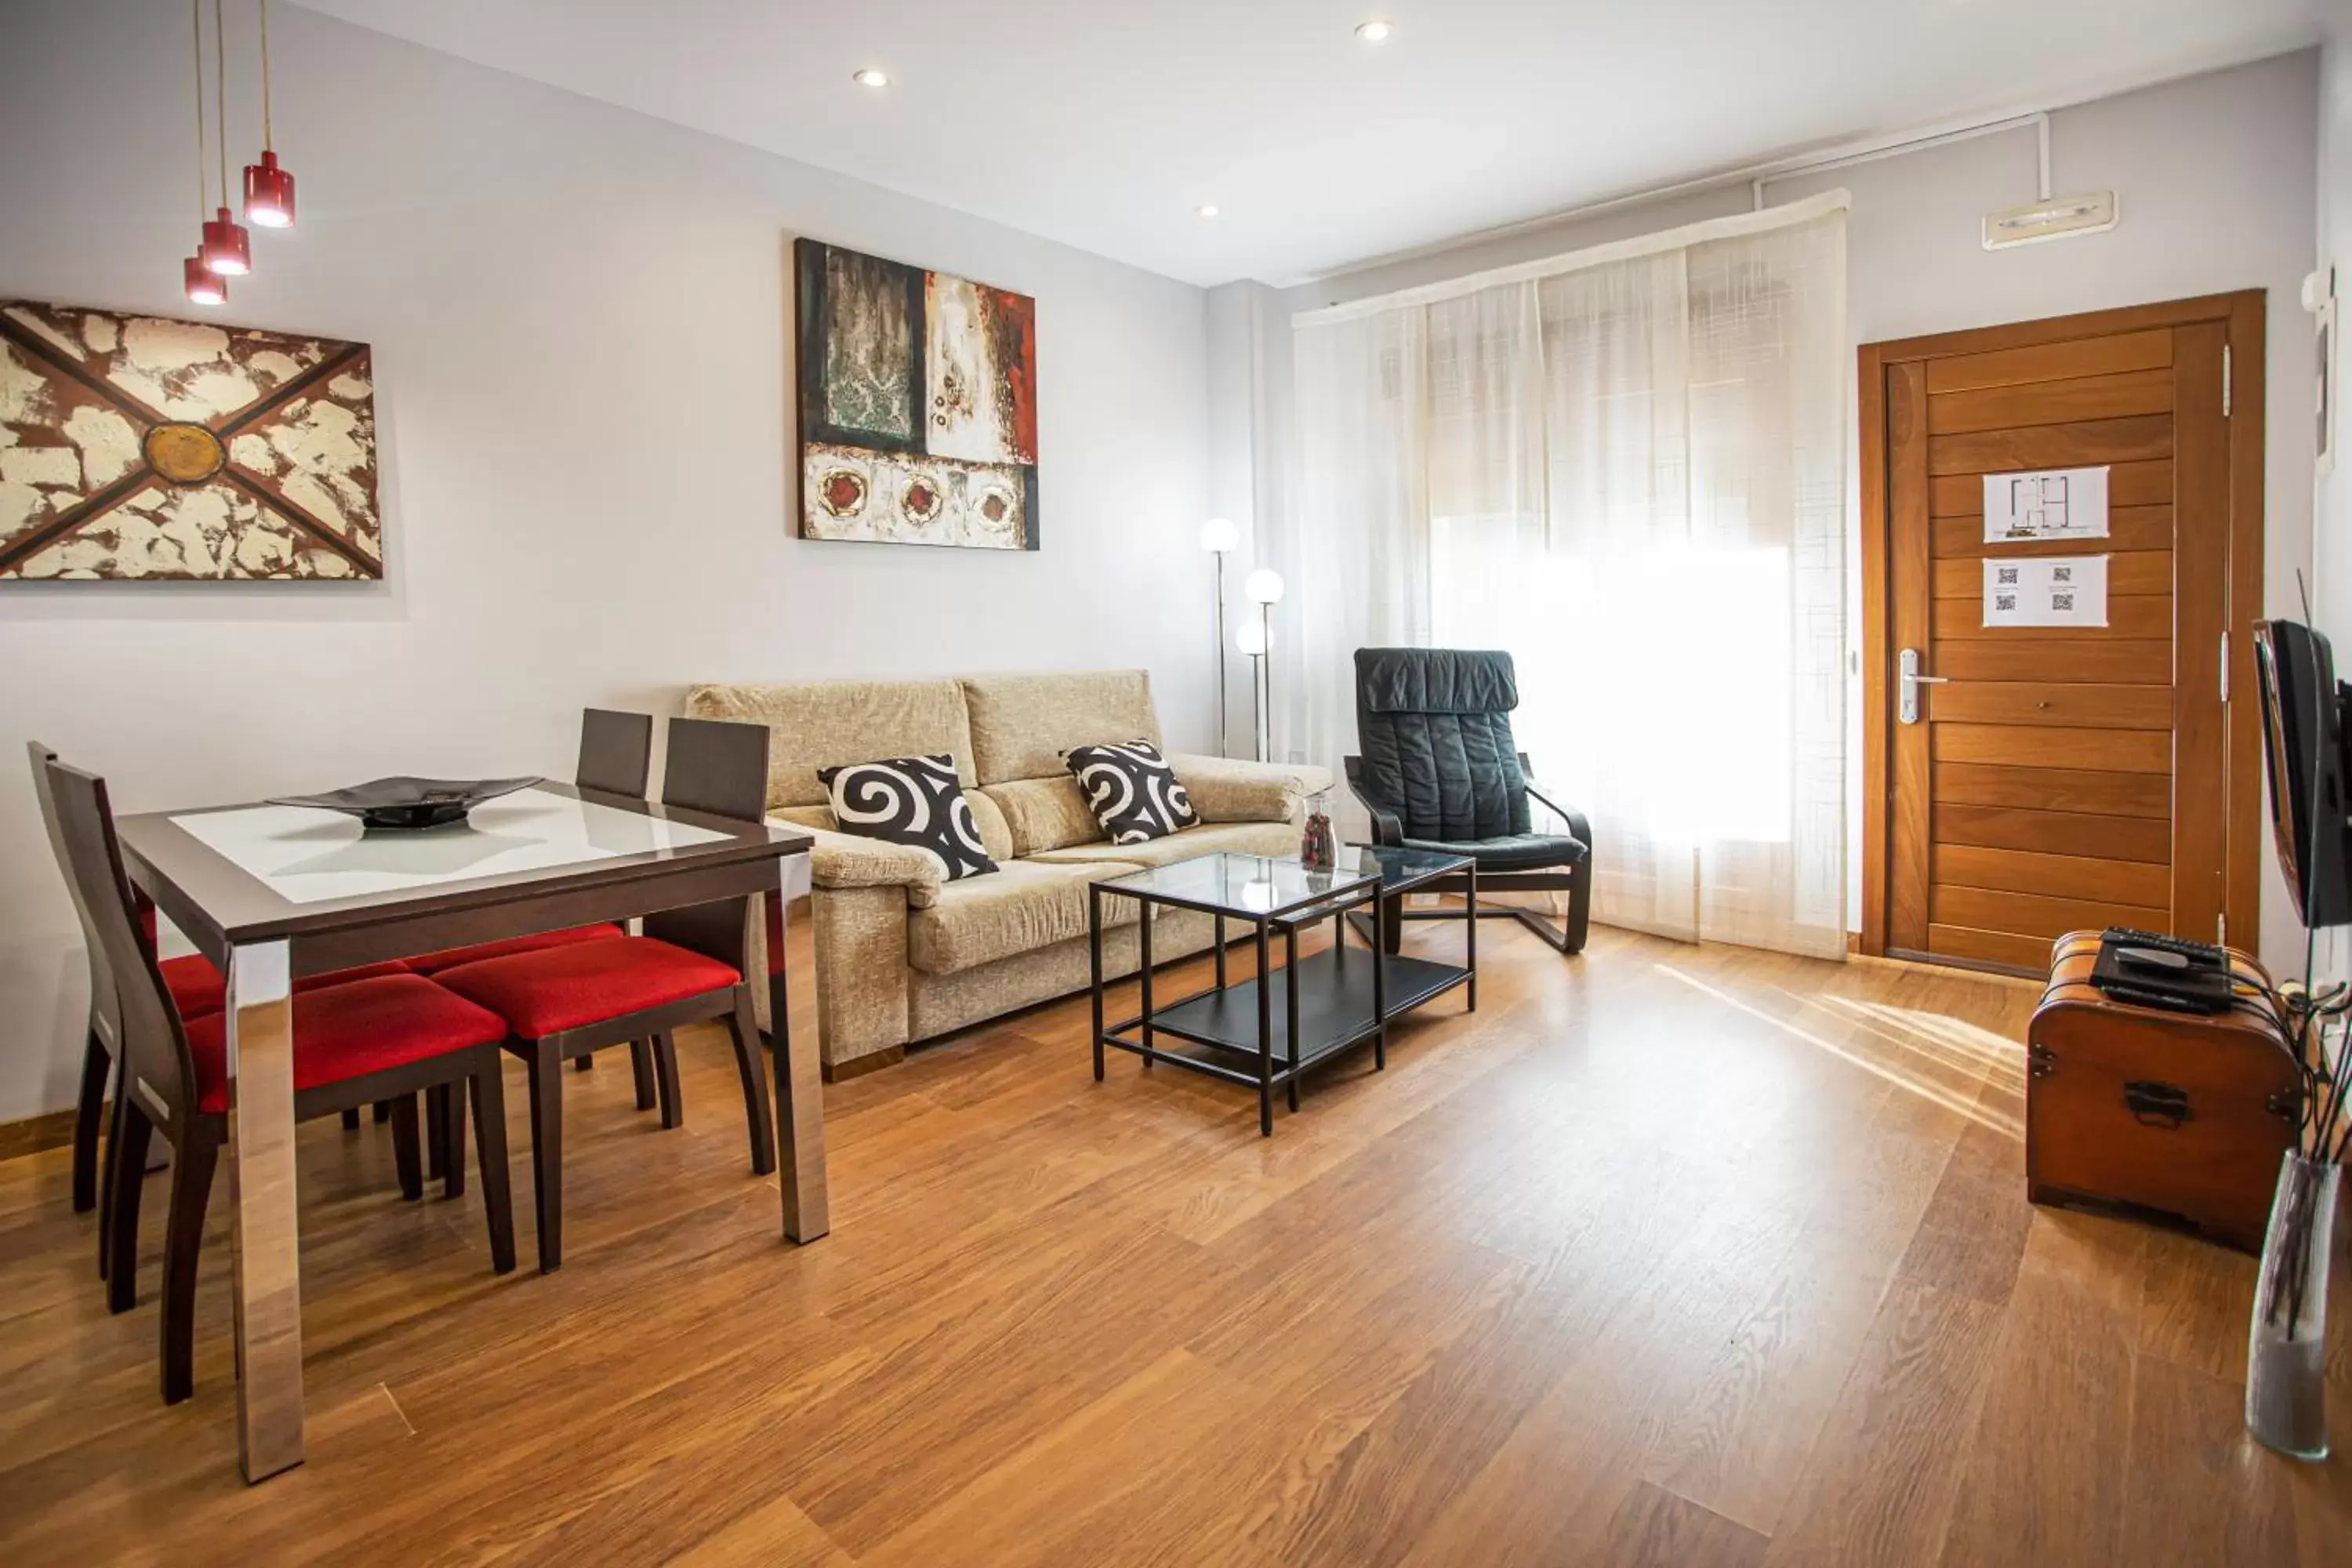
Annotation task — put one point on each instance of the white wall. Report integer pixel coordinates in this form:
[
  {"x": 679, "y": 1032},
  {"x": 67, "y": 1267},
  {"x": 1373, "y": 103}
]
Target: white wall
[
  {"x": 2214, "y": 175},
  {"x": 2332, "y": 498},
  {"x": 580, "y": 321}
]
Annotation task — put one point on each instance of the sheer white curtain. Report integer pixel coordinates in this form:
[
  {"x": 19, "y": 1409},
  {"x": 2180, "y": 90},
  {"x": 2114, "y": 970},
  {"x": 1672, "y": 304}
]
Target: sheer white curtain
[{"x": 1627, "y": 470}]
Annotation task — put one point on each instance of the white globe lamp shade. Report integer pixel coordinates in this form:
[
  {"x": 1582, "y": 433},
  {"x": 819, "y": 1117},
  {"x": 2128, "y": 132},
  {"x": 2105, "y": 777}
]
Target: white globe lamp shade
[
  {"x": 1218, "y": 535},
  {"x": 1250, "y": 638},
  {"x": 1264, "y": 586}
]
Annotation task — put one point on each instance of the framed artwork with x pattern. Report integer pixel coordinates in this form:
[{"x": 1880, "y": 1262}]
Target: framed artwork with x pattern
[{"x": 142, "y": 447}]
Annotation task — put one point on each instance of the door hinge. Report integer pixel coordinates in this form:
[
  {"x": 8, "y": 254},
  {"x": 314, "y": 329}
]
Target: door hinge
[
  {"x": 2225, "y": 667},
  {"x": 2225, "y": 381},
  {"x": 2220, "y": 930}
]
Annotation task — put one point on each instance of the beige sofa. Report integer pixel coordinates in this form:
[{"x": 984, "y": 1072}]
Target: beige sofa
[{"x": 903, "y": 957}]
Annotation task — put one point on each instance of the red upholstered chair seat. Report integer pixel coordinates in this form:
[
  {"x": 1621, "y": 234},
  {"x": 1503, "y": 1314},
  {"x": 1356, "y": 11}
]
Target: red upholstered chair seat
[
  {"x": 349, "y": 1030},
  {"x": 197, "y": 988},
  {"x": 559, "y": 988},
  {"x": 450, "y": 958}
]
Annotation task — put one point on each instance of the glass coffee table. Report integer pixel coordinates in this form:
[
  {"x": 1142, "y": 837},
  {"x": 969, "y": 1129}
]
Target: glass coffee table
[{"x": 1269, "y": 1029}]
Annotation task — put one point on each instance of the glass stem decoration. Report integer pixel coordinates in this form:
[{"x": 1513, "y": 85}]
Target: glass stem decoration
[{"x": 2286, "y": 1343}]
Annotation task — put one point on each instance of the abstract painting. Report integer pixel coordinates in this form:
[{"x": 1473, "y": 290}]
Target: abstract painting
[
  {"x": 918, "y": 405},
  {"x": 143, "y": 447}
]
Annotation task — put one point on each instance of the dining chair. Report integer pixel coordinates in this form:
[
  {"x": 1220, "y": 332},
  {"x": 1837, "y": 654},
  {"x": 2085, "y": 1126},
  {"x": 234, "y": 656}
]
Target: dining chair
[
  {"x": 197, "y": 989},
  {"x": 616, "y": 752},
  {"x": 691, "y": 966},
  {"x": 384, "y": 1037}
]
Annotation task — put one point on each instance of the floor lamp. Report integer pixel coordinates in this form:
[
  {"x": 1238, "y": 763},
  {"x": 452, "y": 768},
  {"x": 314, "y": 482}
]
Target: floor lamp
[
  {"x": 1218, "y": 535},
  {"x": 1250, "y": 638},
  {"x": 1265, "y": 590}
]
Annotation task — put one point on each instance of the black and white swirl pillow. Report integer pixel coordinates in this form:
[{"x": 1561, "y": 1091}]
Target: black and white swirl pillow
[
  {"x": 914, "y": 801},
  {"x": 1132, "y": 791}
]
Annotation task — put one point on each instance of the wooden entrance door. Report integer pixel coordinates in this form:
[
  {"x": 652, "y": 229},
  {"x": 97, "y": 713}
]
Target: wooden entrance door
[{"x": 2051, "y": 780}]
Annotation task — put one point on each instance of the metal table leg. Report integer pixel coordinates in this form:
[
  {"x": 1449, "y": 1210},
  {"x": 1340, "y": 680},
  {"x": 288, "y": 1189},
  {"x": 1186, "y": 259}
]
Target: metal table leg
[
  {"x": 260, "y": 1025},
  {"x": 1472, "y": 924},
  {"x": 1094, "y": 967},
  {"x": 1290, "y": 995},
  {"x": 1264, "y": 1033},
  {"x": 1381, "y": 915},
  {"x": 1143, "y": 948}
]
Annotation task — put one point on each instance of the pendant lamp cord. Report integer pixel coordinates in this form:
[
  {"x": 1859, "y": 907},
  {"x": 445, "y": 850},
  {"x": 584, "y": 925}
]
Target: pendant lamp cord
[
  {"x": 267, "y": 145},
  {"x": 204, "y": 205},
  {"x": 220, "y": 102}
]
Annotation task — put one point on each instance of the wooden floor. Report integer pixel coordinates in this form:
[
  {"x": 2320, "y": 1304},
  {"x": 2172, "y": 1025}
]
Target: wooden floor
[{"x": 1666, "y": 1256}]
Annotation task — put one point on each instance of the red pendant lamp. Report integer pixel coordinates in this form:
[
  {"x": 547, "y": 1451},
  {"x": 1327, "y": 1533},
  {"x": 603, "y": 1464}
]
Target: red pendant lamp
[
  {"x": 227, "y": 249},
  {"x": 268, "y": 189},
  {"x": 203, "y": 285}
]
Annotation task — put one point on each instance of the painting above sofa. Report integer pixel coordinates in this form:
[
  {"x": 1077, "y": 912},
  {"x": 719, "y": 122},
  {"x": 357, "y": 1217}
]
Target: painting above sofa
[{"x": 918, "y": 405}]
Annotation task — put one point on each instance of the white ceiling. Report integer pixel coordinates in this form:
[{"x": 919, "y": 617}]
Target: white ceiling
[{"x": 1105, "y": 123}]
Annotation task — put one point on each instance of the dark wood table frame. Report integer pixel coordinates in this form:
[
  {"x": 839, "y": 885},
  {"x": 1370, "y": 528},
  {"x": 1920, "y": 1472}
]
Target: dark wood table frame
[
  {"x": 1323, "y": 1001},
  {"x": 262, "y": 942}
]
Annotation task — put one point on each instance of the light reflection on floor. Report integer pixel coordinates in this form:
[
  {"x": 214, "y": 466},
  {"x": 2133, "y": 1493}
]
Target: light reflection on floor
[{"x": 1977, "y": 1058}]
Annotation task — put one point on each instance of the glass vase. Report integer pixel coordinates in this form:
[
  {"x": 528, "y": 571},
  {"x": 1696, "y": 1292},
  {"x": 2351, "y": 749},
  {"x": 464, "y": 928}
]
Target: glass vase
[{"x": 2286, "y": 1345}]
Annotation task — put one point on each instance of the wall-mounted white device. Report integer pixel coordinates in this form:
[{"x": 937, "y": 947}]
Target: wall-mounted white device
[
  {"x": 2061, "y": 217},
  {"x": 2319, "y": 299}
]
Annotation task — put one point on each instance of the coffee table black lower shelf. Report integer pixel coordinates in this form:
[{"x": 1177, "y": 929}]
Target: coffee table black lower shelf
[{"x": 1216, "y": 1031}]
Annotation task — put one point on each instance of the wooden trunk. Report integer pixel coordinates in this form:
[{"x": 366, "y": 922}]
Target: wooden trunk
[{"x": 2169, "y": 1116}]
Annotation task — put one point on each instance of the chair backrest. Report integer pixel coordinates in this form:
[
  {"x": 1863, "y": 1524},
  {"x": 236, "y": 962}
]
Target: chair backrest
[
  {"x": 718, "y": 766},
  {"x": 155, "y": 1047},
  {"x": 616, "y": 752},
  {"x": 722, "y": 767},
  {"x": 106, "y": 1015},
  {"x": 1434, "y": 727}
]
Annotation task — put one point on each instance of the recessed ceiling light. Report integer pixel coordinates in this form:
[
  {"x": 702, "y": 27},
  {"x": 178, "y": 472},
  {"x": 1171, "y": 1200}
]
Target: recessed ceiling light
[
  {"x": 1207, "y": 209},
  {"x": 869, "y": 77},
  {"x": 1375, "y": 32}
]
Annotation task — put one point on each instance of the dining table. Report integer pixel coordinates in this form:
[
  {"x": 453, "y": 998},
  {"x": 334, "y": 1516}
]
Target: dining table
[{"x": 272, "y": 892}]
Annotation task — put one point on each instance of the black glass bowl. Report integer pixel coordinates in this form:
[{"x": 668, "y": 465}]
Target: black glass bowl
[{"x": 410, "y": 803}]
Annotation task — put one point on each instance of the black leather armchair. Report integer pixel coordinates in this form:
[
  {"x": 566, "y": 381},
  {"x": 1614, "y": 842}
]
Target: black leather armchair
[{"x": 1440, "y": 770}]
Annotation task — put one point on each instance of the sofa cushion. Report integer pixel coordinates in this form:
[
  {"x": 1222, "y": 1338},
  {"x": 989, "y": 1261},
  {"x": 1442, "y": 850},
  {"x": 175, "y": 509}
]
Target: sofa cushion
[
  {"x": 1233, "y": 838},
  {"x": 1021, "y": 724},
  {"x": 1021, "y": 906},
  {"x": 1132, "y": 791},
  {"x": 819, "y": 725},
  {"x": 1044, "y": 814},
  {"x": 914, "y": 802}
]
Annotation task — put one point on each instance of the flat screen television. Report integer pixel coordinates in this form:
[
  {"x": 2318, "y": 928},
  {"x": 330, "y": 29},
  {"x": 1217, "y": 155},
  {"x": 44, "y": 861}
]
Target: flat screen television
[{"x": 2303, "y": 757}]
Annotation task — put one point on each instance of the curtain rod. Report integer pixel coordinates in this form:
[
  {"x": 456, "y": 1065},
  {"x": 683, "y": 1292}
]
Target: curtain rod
[{"x": 1690, "y": 234}]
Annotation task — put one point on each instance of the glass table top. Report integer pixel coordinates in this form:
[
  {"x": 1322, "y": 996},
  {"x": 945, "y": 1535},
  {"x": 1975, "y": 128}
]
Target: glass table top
[
  {"x": 306, "y": 856},
  {"x": 1255, "y": 885}
]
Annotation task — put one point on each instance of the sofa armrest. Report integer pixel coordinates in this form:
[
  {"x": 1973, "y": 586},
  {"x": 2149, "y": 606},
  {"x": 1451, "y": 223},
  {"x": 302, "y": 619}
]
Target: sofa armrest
[
  {"x": 839, "y": 861},
  {"x": 1226, "y": 789}
]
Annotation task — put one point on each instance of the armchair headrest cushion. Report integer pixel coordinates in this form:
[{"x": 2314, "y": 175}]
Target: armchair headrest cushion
[{"x": 1435, "y": 680}]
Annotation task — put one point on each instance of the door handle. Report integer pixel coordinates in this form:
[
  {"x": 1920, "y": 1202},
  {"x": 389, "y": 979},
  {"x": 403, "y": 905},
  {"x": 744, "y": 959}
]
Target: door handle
[{"x": 1909, "y": 681}]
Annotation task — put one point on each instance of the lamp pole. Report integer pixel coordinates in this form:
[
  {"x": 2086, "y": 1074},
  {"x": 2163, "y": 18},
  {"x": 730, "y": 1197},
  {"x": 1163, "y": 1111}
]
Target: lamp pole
[
  {"x": 1218, "y": 535},
  {"x": 1224, "y": 745},
  {"x": 1265, "y": 682},
  {"x": 1264, "y": 589}
]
